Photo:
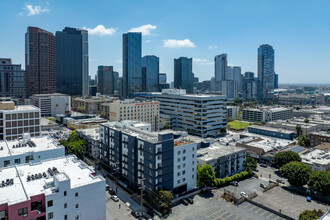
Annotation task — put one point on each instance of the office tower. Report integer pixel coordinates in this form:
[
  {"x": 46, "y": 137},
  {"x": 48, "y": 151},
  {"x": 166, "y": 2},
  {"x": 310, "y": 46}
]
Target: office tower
[
  {"x": 162, "y": 78},
  {"x": 220, "y": 68},
  {"x": 183, "y": 76},
  {"x": 72, "y": 62},
  {"x": 150, "y": 73},
  {"x": 132, "y": 76},
  {"x": 229, "y": 89},
  {"x": 228, "y": 74},
  {"x": 237, "y": 76},
  {"x": 249, "y": 86},
  {"x": 266, "y": 72},
  {"x": 276, "y": 81},
  {"x": 105, "y": 84},
  {"x": 40, "y": 61},
  {"x": 12, "y": 79},
  {"x": 115, "y": 80},
  {"x": 121, "y": 88},
  {"x": 52, "y": 104}
]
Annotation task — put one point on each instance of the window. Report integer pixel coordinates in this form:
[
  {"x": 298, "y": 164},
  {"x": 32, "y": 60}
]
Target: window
[
  {"x": 193, "y": 176},
  {"x": 178, "y": 174},
  {"x": 50, "y": 203},
  {"x": 183, "y": 172},
  {"x": 77, "y": 217},
  {"x": 184, "y": 151},
  {"x": 184, "y": 158},
  {"x": 66, "y": 217},
  {"x": 184, "y": 180},
  {"x": 64, "y": 193},
  {"x": 179, "y": 166},
  {"x": 76, "y": 195},
  {"x": 179, "y": 152},
  {"x": 179, "y": 159},
  {"x": 35, "y": 205},
  {"x": 65, "y": 205},
  {"x": 23, "y": 211},
  {"x": 6, "y": 163},
  {"x": 50, "y": 215},
  {"x": 77, "y": 206}
]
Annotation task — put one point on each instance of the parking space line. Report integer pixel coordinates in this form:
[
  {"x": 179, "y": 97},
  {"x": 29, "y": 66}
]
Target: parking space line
[
  {"x": 227, "y": 217},
  {"x": 260, "y": 209},
  {"x": 213, "y": 213}
]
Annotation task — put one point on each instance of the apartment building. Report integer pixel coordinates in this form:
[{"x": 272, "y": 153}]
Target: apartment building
[
  {"x": 131, "y": 109},
  {"x": 157, "y": 158},
  {"x": 201, "y": 115},
  {"x": 317, "y": 159},
  {"x": 232, "y": 112},
  {"x": 318, "y": 138},
  {"x": 60, "y": 188},
  {"x": 16, "y": 120},
  {"x": 89, "y": 105},
  {"x": 266, "y": 114},
  {"x": 225, "y": 160},
  {"x": 52, "y": 104},
  {"x": 27, "y": 150},
  {"x": 92, "y": 138}
]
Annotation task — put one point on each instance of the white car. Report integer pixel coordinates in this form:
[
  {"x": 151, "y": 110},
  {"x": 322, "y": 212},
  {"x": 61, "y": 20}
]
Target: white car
[
  {"x": 244, "y": 195},
  {"x": 115, "y": 198}
]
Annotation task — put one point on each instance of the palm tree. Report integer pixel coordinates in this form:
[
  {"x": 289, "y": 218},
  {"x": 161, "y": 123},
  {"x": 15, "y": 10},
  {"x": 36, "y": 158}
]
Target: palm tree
[
  {"x": 298, "y": 129},
  {"x": 306, "y": 122}
]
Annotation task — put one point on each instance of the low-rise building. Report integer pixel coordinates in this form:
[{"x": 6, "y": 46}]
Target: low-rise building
[
  {"x": 16, "y": 120},
  {"x": 301, "y": 99},
  {"x": 29, "y": 150},
  {"x": 266, "y": 114},
  {"x": 317, "y": 159},
  {"x": 90, "y": 105},
  {"x": 232, "y": 112},
  {"x": 84, "y": 123},
  {"x": 272, "y": 132},
  {"x": 92, "y": 138},
  {"x": 52, "y": 104},
  {"x": 225, "y": 160},
  {"x": 60, "y": 188},
  {"x": 318, "y": 138}
]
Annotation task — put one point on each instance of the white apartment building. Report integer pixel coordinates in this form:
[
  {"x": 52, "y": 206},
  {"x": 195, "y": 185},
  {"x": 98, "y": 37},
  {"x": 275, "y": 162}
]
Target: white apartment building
[
  {"x": 131, "y": 109},
  {"x": 52, "y": 104},
  {"x": 29, "y": 150},
  {"x": 317, "y": 159},
  {"x": 61, "y": 188},
  {"x": 267, "y": 114},
  {"x": 232, "y": 112},
  {"x": 92, "y": 138},
  {"x": 16, "y": 120}
]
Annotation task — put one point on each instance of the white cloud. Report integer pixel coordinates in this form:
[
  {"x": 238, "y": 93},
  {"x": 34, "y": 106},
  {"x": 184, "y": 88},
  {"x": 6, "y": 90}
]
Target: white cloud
[
  {"x": 199, "y": 60},
  {"x": 119, "y": 61},
  {"x": 145, "y": 29},
  {"x": 171, "y": 43},
  {"x": 100, "y": 30},
  {"x": 34, "y": 10},
  {"x": 212, "y": 47}
]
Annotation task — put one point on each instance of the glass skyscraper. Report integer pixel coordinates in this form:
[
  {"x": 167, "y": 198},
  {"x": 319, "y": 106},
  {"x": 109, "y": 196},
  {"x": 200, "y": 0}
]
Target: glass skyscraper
[
  {"x": 266, "y": 73},
  {"x": 183, "y": 76},
  {"x": 72, "y": 62},
  {"x": 105, "y": 80},
  {"x": 150, "y": 73},
  {"x": 132, "y": 74}
]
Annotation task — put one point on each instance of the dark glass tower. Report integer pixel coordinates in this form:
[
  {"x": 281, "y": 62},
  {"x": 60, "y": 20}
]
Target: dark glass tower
[
  {"x": 132, "y": 74},
  {"x": 72, "y": 62},
  {"x": 150, "y": 73},
  {"x": 183, "y": 76},
  {"x": 106, "y": 80},
  {"x": 40, "y": 61}
]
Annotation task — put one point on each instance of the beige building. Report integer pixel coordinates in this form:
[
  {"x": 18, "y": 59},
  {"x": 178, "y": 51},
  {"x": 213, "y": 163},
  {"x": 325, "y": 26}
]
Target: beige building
[
  {"x": 89, "y": 105},
  {"x": 131, "y": 109},
  {"x": 17, "y": 120}
]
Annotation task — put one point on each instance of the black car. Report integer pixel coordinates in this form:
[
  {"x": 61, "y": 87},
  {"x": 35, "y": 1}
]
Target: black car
[
  {"x": 135, "y": 214},
  {"x": 263, "y": 165},
  {"x": 190, "y": 200},
  {"x": 112, "y": 191},
  {"x": 280, "y": 181},
  {"x": 184, "y": 202},
  {"x": 234, "y": 183}
]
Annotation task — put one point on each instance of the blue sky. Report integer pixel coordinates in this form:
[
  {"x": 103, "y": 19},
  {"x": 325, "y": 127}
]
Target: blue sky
[{"x": 299, "y": 31}]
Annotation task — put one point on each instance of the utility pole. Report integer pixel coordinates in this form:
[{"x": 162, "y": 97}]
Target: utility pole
[{"x": 142, "y": 188}]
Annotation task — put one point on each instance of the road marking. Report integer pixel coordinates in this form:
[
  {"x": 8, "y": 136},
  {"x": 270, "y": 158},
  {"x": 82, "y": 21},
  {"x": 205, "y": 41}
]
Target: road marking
[{"x": 227, "y": 217}]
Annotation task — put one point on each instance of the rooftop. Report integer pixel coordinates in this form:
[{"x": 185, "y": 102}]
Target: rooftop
[
  {"x": 37, "y": 144},
  {"x": 94, "y": 133},
  {"x": 50, "y": 95},
  {"x": 272, "y": 129},
  {"x": 216, "y": 150},
  {"x": 316, "y": 156},
  {"x": 326, "y": 134},
  {"x": 24, "y": 186}
]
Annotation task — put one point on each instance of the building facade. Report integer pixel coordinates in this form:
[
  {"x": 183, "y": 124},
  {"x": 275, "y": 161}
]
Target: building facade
[
  {"x": 12, "y": 79},
  {"x": 40, "y": 61},
  {"x": 183, "y": 75},
  {"x": 220, "y": 69},
  {"x": 52, "y": 104},
  {"x": 272, "y": 132},
  {"x": 72, "y": 62},
  {"x": 318, "y": 138},
  {"x": 92, "y": 138},
  {"x": 106, "y": 80},
  {"x": 249, "y": 86},
  {"x": 132, "y": 53},
  {"x": 266, "y": 114},
  {"x": 150, "y": 73},
  {"x": 230, "y": 89}
]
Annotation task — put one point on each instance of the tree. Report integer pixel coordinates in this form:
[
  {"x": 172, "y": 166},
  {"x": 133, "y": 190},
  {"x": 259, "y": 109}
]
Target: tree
[
  {"x": 306, "y": 120},
  {"x": 74, "y": 145},
  {"x": 164, "y": 199},
  {"x": 304, "y": 141},
  {"x": 103, "y": 115},
  {"x": 250, "y": 164},
  {"x": 238, "y": 101},
  {"x": 263, "y": 122},
  {"x": 298, "y": 130},
  {"x": 205, "y": 175},
  {"x": 319, "y": 181},
  {"x": 297, "y": 173},
  {"x": 284, "y": 157},
  {"x": 310, "y": 214}
]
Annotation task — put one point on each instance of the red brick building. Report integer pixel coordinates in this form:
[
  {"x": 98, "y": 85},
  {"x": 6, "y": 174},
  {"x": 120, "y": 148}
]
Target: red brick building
[{"x": 319, "y": 138}]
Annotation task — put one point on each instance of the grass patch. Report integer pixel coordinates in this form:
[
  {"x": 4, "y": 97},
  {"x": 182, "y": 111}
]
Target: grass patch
[
  {"x": 237, "y": 125},
  {"x": 52, "y": 119}
]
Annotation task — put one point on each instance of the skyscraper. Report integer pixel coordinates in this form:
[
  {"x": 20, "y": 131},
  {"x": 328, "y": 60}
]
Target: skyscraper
[
  {"x": 106, "y": 80},
  {"x": 150, "y": 73},
  {"x": 183, "y": 76},
  {"x": 276, "y": 81},
  {"x": 40, "y": 61},
  {"x": 132, "y": 74},
  {"x": 266, "y": 74},
  {"x": 12, "y": 79},
  {"x": 162, "y": 78},
  {"x": 72, "y": 62},
  {"x": 249, "y": 86},
  {"x": 220, "y": 69}
]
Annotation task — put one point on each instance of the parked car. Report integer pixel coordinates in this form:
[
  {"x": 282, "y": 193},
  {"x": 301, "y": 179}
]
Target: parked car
[
  {"x": 308, "y": 199},
  {"x": 262, "y": 185},
  {"x": 263, "y": 165},
  {"x": 115, "y": 198},
  {"x": 190, "y": 200},
  {"x": 234, "y": 183},
  {"x": 184, "y": 202},
  {"x": 280, "y": 181},
  {"x": 112, "y": 191},
  {"x": 244, "y": 195},
  {"x": 256, "y": 170},
  {"x": 135, "y": 214}
]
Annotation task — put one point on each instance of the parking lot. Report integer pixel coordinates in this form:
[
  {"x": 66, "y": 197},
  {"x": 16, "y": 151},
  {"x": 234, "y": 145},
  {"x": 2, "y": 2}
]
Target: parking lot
[
  {"x": 113, "y": 211},
  {"x": 289, "y": 203}
]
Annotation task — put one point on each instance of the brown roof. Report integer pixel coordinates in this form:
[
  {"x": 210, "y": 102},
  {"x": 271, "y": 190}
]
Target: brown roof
[{"x": 324, "y": 146}]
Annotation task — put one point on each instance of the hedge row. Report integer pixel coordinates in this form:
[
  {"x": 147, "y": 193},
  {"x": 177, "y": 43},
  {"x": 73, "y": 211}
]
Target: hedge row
[{"x": 238, "y": 176}]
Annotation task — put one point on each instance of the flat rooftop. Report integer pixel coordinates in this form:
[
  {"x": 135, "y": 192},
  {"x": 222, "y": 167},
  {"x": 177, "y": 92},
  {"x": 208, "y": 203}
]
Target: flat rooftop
[
  {"x": 272, "y": 129},
  {"x": 216, "y": 150},
  {"x": 18, "y": 147},
  {"x": 23, "y": 108},
  {"x": 94, "y": 133},
  {"x": 69, "y": 168},
  {"x": 270, "y": 144},
  {"x": 322, "y": 133},
  {"x": 316, "y": 156}
]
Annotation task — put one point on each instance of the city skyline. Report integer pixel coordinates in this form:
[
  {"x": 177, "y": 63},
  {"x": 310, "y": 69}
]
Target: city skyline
[{"x": 168, "y": 37}]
